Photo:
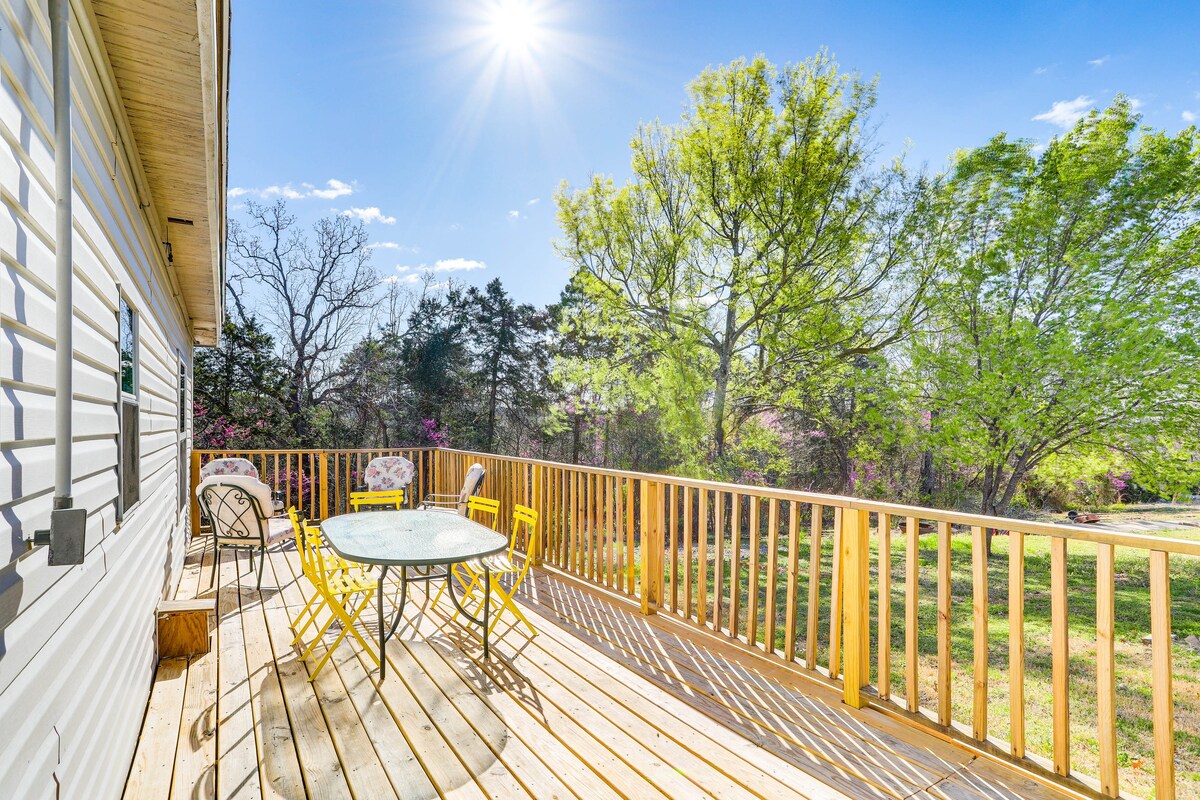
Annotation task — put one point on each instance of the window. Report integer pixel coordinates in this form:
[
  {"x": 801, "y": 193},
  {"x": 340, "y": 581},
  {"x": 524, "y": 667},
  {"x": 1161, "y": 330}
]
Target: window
[
  {"x": 128, "y": 466},
  {"x": 183, "y": 466}
]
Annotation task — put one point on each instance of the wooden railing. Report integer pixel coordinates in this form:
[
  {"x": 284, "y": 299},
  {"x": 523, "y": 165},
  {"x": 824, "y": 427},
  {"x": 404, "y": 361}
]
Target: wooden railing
[{"x": 800, "y": 577}]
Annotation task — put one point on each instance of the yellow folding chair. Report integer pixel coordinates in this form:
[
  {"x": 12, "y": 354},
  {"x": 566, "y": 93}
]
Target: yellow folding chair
[
  {"x": 389, "y": 499},
  {"x": 338, "y": 588},
  {"x": 485, "y": 512},
  {"x": 307, "y": 537},
  {"x": 505, "y": 564}
]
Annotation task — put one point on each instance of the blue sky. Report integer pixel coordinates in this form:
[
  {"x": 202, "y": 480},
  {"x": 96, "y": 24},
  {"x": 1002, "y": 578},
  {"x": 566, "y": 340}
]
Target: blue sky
[{"x": 448, "y": 125}]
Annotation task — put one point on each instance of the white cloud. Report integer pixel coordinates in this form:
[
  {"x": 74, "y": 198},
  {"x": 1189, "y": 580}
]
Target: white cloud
[
  {"x": 285, "y": 191},
  {"x": 404, "y": 279},
  {"x": 444, "y": 265},
  {"x": 369, "y": 215},
  {"x": 1101, "y": 61},
  {"x": 336, "y": 189},
  {"x": 1188, "y": 116},
  {"x": 533, "y": 202},
  {"x": 1135, "y": 104},
  {"x": 1066, "y": 113},
  {"x": 456, "y": 226},
  {"x": 514, "y": 214},
  {"x": 1040, "y": 70},
  {"x": 402, "y": 248},
  {"x": 458, "y": 265}
]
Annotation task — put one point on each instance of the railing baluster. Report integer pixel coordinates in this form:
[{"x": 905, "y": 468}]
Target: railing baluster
[
  {"x": 1016, "y": 642},
  {"x": 735, "y": 564},
  {"x": 1161, "y": 684},
  {"x": 630, "y": 550},
  {"x": 702, "y": 558},
  {"x": 793, "y": 579},
  {"x": 1106, "y": 684},
  {"x": 979, "y": 582},
  {"x": 719, "y": 567},
  {"x": 674, "y": 545},
  {"x": 835, "y": 604},
  {"x": 687, "y": 551},
  {"x": 884, "y": 637},
  {"x": 753, "y": 512},
  {"x": 943, "y": 630},
  {"x": 1060, "y": 656},
  {"x": 912, "y": 579},
  {"x": 769, "y": 603},
  {"x": 814, "y": 585}
]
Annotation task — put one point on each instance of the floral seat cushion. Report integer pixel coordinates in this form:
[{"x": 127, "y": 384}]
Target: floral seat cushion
[
  {"x": 229, "y": 466},
  {"x": 388, "y": 473}
]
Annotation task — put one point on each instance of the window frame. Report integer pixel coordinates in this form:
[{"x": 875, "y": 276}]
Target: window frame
[
  {"x": 129, "y": 490},
  {"x": 184, "y": 425}
]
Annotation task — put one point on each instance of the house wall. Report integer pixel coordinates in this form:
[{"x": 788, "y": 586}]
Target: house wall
[{"x": 77, "y": 643}]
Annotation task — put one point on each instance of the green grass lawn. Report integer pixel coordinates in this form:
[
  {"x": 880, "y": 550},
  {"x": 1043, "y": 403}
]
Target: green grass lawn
[{"x": 1134, "y": 731}]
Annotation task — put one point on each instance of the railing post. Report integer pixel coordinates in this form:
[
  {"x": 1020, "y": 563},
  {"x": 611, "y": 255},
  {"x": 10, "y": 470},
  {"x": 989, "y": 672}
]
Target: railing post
[
  {"x": 855, "y": 605},
  {"x": 193, "y": 480},
  {"x": 652, "y": 546},
  {"x": 535, "y": 502},
  {"x": 323, "y": 471}
]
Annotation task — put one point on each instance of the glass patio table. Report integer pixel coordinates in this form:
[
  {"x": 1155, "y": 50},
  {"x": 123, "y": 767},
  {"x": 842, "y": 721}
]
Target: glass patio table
[{"x": 419, "y": 539}]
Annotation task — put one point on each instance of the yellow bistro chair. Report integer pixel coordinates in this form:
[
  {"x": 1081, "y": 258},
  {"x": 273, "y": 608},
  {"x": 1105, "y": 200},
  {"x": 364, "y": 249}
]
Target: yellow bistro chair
[
  {"x": 385, "y": 483},
  {"x": 338, "y": 589},
  {"x": 394, "y": 499},
  {"x": 505, "y": 564},
  {"x": 485, "y": 512},
  {"x": 307, "y": 537}
]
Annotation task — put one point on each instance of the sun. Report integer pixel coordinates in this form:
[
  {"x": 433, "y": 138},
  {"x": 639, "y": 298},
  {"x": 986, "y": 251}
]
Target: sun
[{"x": 515, "y": 26}]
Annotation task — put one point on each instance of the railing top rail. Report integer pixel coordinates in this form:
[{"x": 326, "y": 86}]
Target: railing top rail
[
  {"x": 307, "y": 450},
  {"x": 1065, "y": 531},
  {"x": 1075, "y": 532}
]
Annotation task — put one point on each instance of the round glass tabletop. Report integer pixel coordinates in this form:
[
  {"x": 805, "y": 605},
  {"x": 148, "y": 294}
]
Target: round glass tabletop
[{"x": 410, "y": 538}]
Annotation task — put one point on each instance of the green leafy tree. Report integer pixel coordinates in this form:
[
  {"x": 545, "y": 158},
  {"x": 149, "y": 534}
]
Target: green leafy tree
[
  {"x": 1066, "y": 310},
  {"x": 238, "y": 388},
  {"x": 747, "y": 260}
]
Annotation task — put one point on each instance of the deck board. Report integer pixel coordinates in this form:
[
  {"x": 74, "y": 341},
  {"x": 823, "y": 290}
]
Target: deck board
[{"x": 604, "y": 702}]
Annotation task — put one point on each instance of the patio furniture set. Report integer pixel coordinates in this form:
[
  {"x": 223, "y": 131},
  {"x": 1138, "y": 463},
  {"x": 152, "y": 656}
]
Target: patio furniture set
[{"x": 347, "y": 559}]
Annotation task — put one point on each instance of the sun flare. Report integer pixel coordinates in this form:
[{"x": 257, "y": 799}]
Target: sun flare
[{"x": 515, "y": 25}]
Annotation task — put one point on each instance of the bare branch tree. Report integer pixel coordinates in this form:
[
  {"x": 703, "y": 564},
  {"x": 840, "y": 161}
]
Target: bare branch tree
[{"x": 315, "y": 293}]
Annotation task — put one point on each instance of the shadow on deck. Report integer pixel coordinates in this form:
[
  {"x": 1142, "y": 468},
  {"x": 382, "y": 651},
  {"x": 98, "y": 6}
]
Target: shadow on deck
[{"x": 603, "y": 703}]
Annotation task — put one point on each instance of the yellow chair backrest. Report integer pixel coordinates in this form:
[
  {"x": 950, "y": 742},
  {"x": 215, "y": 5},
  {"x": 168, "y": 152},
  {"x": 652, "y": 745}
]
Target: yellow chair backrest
[
  {"x": 483, "y": 507},
  {"x": 524, "y": 515}
]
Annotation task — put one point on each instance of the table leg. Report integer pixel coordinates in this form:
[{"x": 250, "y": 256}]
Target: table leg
[
  {"x": 487, "y": 605},
  {"x": 382, "y": 637}
]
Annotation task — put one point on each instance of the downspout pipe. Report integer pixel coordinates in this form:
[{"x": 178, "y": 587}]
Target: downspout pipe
[
  {"x": 67, "y": 536},
  {"x": 60, "y": 24}
]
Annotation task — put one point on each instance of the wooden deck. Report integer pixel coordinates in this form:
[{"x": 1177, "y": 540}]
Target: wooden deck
[{"x": 603, "y": 703}]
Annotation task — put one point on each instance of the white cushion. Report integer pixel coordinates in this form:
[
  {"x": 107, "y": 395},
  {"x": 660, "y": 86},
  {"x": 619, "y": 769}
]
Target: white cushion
[{"x": 233, "y": 516}]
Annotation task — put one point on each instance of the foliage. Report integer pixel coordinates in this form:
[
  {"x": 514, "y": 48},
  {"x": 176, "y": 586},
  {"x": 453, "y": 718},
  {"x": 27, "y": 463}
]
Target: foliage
[
  {"x": 746, "y": 263},
  {"x": 1065, "y": 307}
]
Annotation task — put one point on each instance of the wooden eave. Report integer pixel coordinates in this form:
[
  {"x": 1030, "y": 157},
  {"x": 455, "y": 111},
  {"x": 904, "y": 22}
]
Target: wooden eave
[{"x": 169, "y": 60}]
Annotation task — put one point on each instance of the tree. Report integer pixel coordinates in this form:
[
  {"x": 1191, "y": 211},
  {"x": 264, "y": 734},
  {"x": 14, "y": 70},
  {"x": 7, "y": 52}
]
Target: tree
[
  {"x": 237, "y": 386},
  {"x": 1066, "y": 311},
  {"x": 316, "y": 295},
  {"x": 512, "y": 360},
  {"x": 748, "y": 259}
]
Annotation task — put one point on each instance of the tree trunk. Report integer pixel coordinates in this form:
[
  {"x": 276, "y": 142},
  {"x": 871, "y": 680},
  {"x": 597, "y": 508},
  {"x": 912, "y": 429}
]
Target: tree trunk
[{"x": 724, "y": 368}]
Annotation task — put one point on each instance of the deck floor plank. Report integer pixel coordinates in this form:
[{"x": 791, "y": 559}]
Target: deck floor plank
[
  {"x": 556, "y": 673},
  {"x": 196, "y": 753},
  {"x": 883, "y": 766},
  {"x": 154, "y": 760},
  {"x": 237, "y": 751},
  {"x": 605, "y": 702}
]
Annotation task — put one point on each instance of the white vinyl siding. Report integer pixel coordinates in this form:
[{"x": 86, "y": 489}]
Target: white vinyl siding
[{"x": 77, "y": 644}]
